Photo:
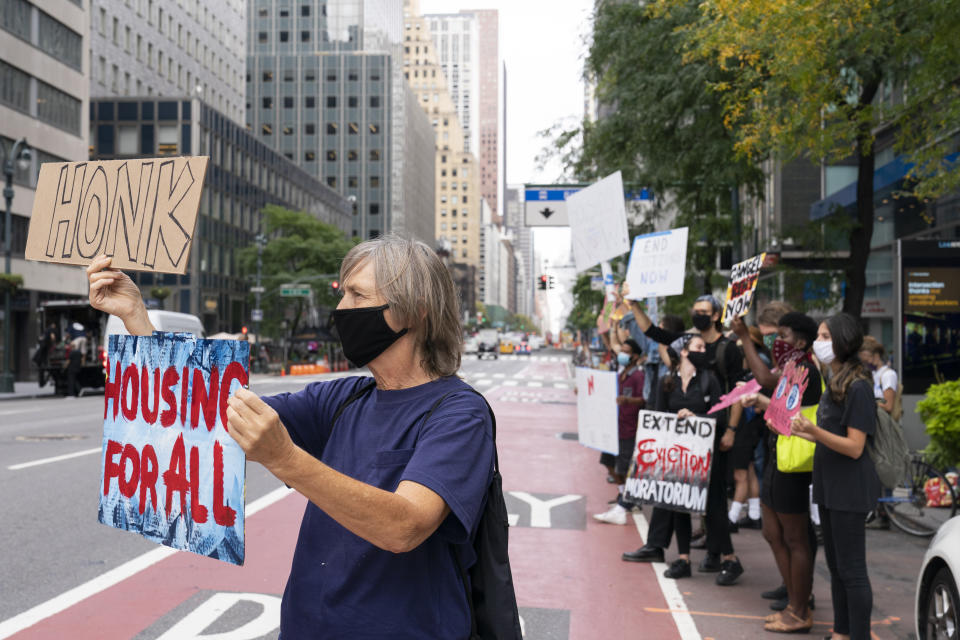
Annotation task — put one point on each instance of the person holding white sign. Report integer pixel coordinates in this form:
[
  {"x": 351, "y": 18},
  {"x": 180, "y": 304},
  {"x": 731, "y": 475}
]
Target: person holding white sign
[{"x": 691, "y": 389}]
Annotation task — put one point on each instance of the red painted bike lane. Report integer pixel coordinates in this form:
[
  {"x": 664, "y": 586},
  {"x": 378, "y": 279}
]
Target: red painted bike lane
[{"x": 569, "y": 577}]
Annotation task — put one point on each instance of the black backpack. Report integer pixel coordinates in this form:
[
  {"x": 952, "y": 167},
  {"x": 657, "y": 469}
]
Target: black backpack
[{"x": 488, "y": 584}]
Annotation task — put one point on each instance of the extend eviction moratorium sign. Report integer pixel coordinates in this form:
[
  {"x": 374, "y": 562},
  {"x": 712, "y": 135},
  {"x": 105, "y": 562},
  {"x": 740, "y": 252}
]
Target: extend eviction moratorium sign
[
  {"x": 142, "y": 212},
  {"x": 671, "y": 462},
  {"x": 169, "y": 469}
]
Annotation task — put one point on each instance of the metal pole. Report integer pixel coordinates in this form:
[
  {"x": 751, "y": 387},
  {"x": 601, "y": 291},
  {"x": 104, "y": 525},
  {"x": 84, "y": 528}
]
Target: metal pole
[
  {"x": 6, "y": 378},
  {"x": 256, "y": 325}
]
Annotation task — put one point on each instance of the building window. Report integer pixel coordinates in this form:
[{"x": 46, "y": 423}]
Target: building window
[
  {"x": 353, "y": 128},
  {"x": 288, "y": 102},
  {"x": 62, "y": 43},
  {"x": 374, "y": 155},
  {"x": 374, "y": 102},
  {"x": 309, "y": 156},
  {"x": 374, "y": 182},
  {"x": 54, "y": 106},
  {"x": 310, "y": 102},
  {"x": 331, "y": 128},
  {"x": 305, "y": 10},
  {"x": 374, "y": 129},
  {"x": 167, "y": 140},
  {"x": 352, "y": 155},
  {"x": 288, "y": 130},
  {"x": 331, "y": 102},
  {"x": 268, "y": 103},
  {"x": 262, "y": 37},
  {"x": 352, "y": 182},
  {"x": 309, "y": 129},
  {"x": 332, "y": 181},
  {"x": 284, "y": 36},
  {"x": 267, "y": 129},
  {"x": 374, "y": 208},
  {"x": 352, "y": 101},
  {"x": 332, "y": 156},
  {"x": 14, "y": 87},
  {"x": 304, "y": 36}
]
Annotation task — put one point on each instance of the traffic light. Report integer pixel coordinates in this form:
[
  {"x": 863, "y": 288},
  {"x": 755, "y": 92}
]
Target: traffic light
[
  {"x": 335, "y": 287},
  {"x": 243, "y": 330},
  {"x": 542, "y": 283},
  {"x": 550, "y": 283}
]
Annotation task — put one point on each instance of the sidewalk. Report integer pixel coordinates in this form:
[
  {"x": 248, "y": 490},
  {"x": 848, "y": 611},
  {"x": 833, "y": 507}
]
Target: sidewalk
[{"x": 27, "y": 390}]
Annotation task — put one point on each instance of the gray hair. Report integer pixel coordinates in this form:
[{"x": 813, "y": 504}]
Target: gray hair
[{"x": 421, "y": 295}]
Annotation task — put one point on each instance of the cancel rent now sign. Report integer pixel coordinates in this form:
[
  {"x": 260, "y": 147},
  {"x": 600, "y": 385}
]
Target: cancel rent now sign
[{"x": 671, "y": 461}]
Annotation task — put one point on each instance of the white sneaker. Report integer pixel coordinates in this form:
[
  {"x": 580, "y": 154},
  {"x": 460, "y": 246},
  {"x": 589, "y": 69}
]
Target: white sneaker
[{"x": 615, "y": 515}]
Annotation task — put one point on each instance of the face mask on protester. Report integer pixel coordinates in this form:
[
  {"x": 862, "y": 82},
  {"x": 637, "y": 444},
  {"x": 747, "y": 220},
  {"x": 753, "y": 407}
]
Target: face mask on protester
[
  {"x": 823, "y": 349},
  {"x": 698, "y": 359},
  {"x": 784, "y": 353},
  {"x": 623, "y": 359},
  {"x": 702, "y": 321},
  {"x": 364, "y": 333},
  {"x": 769, "y": 340}
]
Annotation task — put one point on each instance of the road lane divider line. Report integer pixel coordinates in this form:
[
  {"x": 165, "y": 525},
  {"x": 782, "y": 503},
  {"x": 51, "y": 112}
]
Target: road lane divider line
[
  {"x": 66, "y": 456},
  {"x": 675, "y": 603},
  {"x": 116, "y": 575}
]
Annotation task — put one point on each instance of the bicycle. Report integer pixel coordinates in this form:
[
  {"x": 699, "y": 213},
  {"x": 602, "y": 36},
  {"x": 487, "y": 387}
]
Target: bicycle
[{"x": 906, "y": 506}]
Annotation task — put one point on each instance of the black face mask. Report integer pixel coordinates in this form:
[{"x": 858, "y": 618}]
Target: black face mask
[
  {"x": 698, "y": 359},
  {"x": 702, "y": 321},
  {"x": 364, "y": 333}
]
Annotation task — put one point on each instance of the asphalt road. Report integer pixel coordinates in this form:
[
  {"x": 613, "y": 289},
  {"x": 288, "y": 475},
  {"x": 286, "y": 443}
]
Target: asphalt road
[{"x": 570, "y": 580}]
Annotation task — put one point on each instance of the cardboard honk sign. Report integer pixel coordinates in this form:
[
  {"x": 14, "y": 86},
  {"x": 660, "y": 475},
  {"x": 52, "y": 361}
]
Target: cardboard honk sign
[{"x": 142, "y": 212}]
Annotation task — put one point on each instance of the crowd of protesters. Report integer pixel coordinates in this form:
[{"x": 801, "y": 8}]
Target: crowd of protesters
[{"x": 665, "y": 366}]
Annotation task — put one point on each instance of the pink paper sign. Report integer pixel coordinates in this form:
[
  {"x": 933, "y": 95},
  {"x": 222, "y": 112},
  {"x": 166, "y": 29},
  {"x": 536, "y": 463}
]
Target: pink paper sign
[
  {"x": 785, "y": 403},
  {"x": 734, "y": 396}
]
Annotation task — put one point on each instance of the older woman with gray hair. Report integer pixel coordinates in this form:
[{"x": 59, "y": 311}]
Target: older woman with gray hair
[{"x": 395, "y": 468}]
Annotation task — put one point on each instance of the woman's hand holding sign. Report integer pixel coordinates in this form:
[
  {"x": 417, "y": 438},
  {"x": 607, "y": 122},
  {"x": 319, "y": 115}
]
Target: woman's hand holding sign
[
  {"x": 113, "y": 292},
  {"x": 257, "y": 429},
  {"x": 801, "y": 426}
]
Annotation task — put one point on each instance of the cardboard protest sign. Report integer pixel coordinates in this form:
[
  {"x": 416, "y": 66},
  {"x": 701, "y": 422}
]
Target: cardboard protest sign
[
  {"x": 597, "y": 409},
  {"x": 671, "y": 465},
  {"x": 142, "y": 212},
  {"x": 598, "y": 222},
  {"x": 743, "y": 281},
  {"x": 785, "y": 403},
  {"x": 658, "y": 263},
  {"x": 729, "y": 399},
  {"x": 169, "y": 469}
]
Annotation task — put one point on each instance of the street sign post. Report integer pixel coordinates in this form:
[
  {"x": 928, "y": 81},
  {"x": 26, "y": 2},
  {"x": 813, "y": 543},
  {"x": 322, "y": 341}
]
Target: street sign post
[
  {"x": 256, "y": 315},
  {"x": 258, "y": 290},
  {"x": 295, "y": 290},
  {"x": 546, "y": 205}
]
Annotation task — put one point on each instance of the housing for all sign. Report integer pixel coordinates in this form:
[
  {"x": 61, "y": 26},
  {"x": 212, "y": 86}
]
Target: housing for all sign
[
  {"x": 169, "y": 469},
  {"x": 671, "y": 462}
]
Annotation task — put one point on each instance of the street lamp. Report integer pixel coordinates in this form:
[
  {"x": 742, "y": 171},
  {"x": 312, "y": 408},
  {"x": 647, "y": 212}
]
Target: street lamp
[{"x": 20, "y": 154}]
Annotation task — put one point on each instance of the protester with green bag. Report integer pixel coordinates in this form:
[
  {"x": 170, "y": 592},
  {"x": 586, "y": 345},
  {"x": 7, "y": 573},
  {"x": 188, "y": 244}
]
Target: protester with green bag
[{"x": 784, "y": 495}]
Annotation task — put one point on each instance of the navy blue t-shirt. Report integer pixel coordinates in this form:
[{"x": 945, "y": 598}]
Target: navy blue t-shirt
[{"x": 342, "y": 586}]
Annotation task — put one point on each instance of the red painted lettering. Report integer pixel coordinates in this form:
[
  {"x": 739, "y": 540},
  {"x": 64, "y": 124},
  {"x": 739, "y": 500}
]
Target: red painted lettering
[
  {"x": 197, "y": 510},
  {"x": 222, "y": 514},
  {"x": 148, "y": 477},
  {"x": 111, "y": 391},
  {"x": 175, "y": 477},
  {"x": 132, "y": 384},
  {"x": 184, "y": 383},
  {"x": 110, "y": 468},
  {"x": 199, "y": 397},
  {"x": 169, "y": 415},
  {"x": 149, "y": 416},
  {"x": 234, "y": 371},
  {"x": 129, "y": 487}
]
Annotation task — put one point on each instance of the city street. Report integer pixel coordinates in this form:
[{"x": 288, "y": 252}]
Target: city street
[{"x": 64, "y": 575}]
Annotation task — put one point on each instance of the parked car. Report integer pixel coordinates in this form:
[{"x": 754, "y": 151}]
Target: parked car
[
  {"x": 936, "y": 605},
  {"x": 470, "y": 345},
  {"x": 506, "y": 346},
  {"x": 535, "y": 341},
  {"x": 488, "y": 342},
  {"x": 522, "y": 348}
]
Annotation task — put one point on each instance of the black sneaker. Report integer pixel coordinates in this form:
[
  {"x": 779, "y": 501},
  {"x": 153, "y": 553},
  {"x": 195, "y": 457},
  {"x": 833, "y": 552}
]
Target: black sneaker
[
  {"x": 730, "y": 570},
  {"x": 645, "y": 553},
  {"x": 679, "y": 568},
  {"x": 710, "y": 564},
  {"x": 750, "y": 523},
  {"x": 733, "y": 527},
  {"x": 775, "y": 594}
]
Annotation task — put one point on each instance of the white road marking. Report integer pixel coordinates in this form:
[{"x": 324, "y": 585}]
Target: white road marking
[
  {"x": 66, "y": 456},
  {"x": 675, "y": 603},
  {"x": 106, "y": 580},
  {"x": 480, "y": 383},
  {"x": 534, "y": 383},
  {"x": 499, "y": 375},
  {"x": 16, "y": 411},
  {"x": 559, "y": 385},
  {"x": 540, "y": 509},
  {"x": 510, "y": 383}
]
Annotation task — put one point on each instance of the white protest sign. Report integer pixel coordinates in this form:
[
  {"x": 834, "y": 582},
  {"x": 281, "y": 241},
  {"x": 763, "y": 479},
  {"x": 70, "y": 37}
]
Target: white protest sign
[
  {"x": 658, "y": 263},
  {"x": 671, "y": 462},
  {"x": 597, "y": 409},
  {"x": 743, "y": 281},
  {"x": 598, "y": 222}
]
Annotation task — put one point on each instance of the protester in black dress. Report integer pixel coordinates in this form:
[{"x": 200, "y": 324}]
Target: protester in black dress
[
  {"x": 845, "y": 482},
  {"x": 683, "y": 392}
]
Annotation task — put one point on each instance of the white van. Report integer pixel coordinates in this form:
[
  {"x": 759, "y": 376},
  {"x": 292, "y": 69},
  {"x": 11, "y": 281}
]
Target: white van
[{"x": 161, "y": 321}]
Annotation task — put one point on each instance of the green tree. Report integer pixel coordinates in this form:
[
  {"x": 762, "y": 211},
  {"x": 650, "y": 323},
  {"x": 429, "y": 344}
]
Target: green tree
[
  {"x": 817, "y": 79},
  {"x": 662, "y": 126},
  {"x": 587, "y": 304},
  {"x": 300, "y": 249}
]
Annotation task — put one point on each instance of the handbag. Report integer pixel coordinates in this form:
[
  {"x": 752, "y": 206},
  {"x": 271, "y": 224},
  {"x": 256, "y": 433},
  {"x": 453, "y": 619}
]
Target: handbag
[{"x": 795, "y": 454}]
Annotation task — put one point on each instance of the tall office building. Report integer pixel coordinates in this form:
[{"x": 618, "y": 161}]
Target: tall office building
[
  {"x": 156, "y": 48},
  {"x": 467, "y": 44},
  {"x": 44, "y": 91},
  {"x": 325, "y": 88},
  {"x": 457, "y": 203},
  {"x": 522, "y": 248}
]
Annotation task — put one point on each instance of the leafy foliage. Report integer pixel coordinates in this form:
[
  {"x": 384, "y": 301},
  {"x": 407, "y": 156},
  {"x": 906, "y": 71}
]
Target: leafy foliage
[
  {"x": 10, "y": 282},
  {"x": 940, "y": 411},
  {"x": 586, "y": 305},
  {"x": 301, "y": 249}
]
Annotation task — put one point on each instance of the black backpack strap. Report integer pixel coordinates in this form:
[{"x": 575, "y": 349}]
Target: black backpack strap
[{"x": 356, "y": 395}]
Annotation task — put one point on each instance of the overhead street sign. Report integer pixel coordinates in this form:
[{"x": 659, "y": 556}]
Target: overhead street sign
[
  {"x": 295, "y": 290},
  {"x": 546, "y": 205},
  {"x": 257, "y": 290},
  {"x": 256, "y": 315}
]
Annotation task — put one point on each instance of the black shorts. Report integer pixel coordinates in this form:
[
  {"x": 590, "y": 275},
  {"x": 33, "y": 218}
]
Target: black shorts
[
  {"x": 784, "y": 492},
  {"x": 621, "y": 461},
  {"x": 745, "y": 443}
]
